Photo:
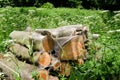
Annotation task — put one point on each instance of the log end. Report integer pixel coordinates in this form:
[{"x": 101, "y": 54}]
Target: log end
[
  {"x": 44, "y": 59},
  {"x": 56, "y": 65},
  {"x": 80, "y": 61},
  {"x": 43, "y": 75},
  {"x": 65, "y": 69}
]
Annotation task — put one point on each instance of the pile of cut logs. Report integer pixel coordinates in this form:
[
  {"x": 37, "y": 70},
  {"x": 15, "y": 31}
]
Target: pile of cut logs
[{"x": 35, "y": 53}]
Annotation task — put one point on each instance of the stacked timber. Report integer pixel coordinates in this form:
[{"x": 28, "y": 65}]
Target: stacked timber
[{"x": 45, "y": 50}]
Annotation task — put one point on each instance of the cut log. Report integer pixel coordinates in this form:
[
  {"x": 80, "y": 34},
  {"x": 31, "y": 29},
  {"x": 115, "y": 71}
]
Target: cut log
[
  {"x": 36, "y": 56},
  {"x": 27, "y": 39},
  {"x": 43, "y": 75},
  {"x": 44, "y": 59},
  {"x": 37, "y": 45},
  {"x": 67, "y": 48},
  {"x": 48, "y": 42},
  {"x": 63, "y": 31},
  {"x": 70, "y": 48},
  {"x": 73, "y": 49},
  {"x": 65, "y": 69},
  {"x": 55, "y": 63},
  {"x": 37, "y": 41},
  {"x": 23, "y": 52},
  {"x": 15, "y": 68},
  {"x": 20, "y": 50},
  {"x": 21, "y": 37}
]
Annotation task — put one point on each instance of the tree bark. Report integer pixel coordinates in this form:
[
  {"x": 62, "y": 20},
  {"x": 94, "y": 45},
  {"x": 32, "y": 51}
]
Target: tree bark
[
  {"x": 15, "y": 68},
  {"x": 64, "y": 30},
  {"x": 27, "y": 39},
  {"x": 24, "y": 53}
]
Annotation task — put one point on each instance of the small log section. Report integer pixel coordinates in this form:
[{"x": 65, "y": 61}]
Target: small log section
[{"x": 33, "y": 54}]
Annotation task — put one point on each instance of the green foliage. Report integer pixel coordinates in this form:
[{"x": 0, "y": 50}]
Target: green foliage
[
  {"x": 4, "y": 3},
  {"x": 104, "y": 55},
  {"x": 75, "y": 3},
  {"x": 47, "y": 5},
  {"x": 89, "y": 4},
  {"x": 102, "y": 4},
  {"x": 104, "y": 68},
  {"x": 115, "y": 21},
  {"x": 20, "y": 3},
  {"x": 35, "y": 75}
]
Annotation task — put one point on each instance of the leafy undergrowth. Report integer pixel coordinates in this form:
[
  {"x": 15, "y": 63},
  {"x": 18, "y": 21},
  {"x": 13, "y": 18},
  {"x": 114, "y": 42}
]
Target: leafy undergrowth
[{"x": 104, "y": 54}]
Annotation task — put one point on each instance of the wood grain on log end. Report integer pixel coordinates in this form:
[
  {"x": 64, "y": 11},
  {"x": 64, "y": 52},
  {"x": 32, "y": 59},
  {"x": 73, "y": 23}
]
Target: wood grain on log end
[
  {"x": 73, "y": 49},
  {"x": 44, "y": 59},
  {"x": 65, "y": 69},
  {"x": 43, "y": 75},
  {"x": 55, "y": 63}
]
